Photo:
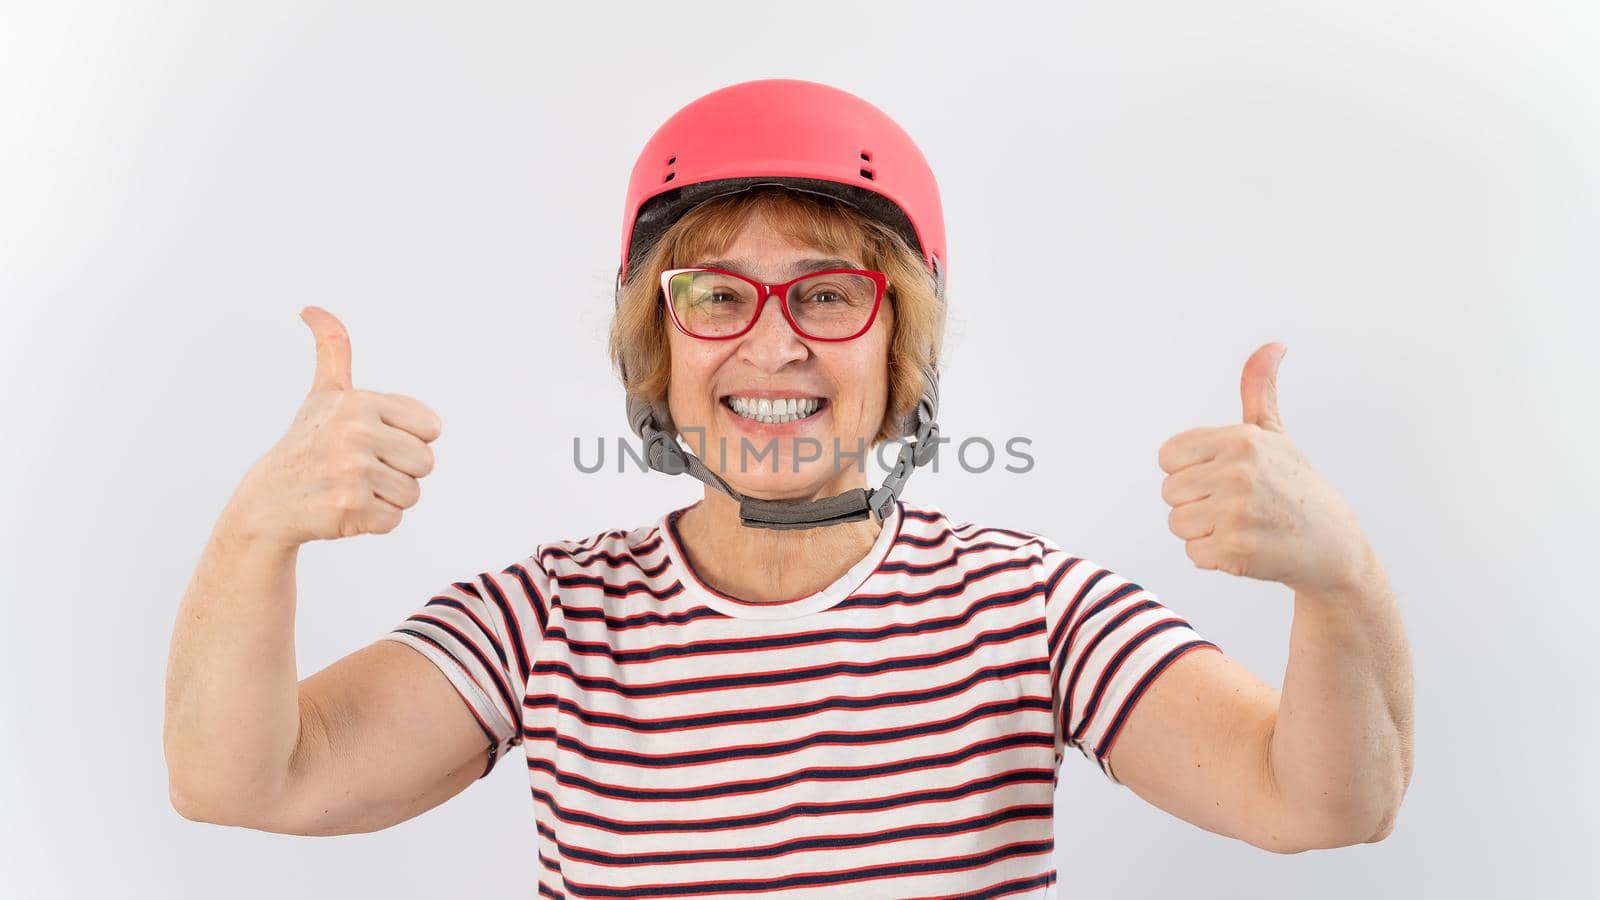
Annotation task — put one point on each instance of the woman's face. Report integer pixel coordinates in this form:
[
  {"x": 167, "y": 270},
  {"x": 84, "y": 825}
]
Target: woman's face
[{"x": 712, "y": 380}]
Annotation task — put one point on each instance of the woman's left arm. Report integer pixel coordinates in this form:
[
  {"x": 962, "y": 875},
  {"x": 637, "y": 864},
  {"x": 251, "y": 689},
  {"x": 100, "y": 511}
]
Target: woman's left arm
[{"x": 1326, "y": 763}]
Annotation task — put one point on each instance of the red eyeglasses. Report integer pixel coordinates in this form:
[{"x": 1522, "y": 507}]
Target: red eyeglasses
[{"x": 716, "y": 305}]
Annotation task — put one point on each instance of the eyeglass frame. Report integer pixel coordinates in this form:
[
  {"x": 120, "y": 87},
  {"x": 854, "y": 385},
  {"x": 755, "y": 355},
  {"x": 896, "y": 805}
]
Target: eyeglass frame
[{"x": 779, "y": 290}]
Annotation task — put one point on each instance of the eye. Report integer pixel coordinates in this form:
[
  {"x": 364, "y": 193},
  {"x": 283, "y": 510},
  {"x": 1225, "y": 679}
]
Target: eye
[{"x": 828, "y": 294}]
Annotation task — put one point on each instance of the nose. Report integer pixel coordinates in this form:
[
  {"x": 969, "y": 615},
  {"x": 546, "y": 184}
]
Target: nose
[{"x": 771, "y": 344}]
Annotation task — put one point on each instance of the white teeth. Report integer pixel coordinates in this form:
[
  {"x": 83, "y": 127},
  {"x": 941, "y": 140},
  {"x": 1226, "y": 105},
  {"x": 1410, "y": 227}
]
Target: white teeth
[{"x": 774, "y": 412}]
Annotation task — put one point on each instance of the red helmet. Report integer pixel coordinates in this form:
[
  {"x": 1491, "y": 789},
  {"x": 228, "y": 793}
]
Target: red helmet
[
  {"x": 803, "y": 136},
  {"x": 798, "y": 134}
]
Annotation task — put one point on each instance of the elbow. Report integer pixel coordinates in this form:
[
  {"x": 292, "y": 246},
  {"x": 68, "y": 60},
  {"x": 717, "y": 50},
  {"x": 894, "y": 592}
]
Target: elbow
[
  {"x": 202, "y": 799},
  {"x": 1367, "y": 825},
  {"x": 1391, "y": 815},
  {"x": 188, "y": 791},
  {"x": 185, "y": 796},
  {"x": 239, "y": 808},
  {"x": 183, "y": 793},
  {"x": 1279, "y": 845},
  {"x": 1328, "y": 835},
  {"x": 191, "y": 806},
  {"x": 1397, "y": 784},
  {"x": 1356, "y": 821},
  {"x": 1365, "y": 812},
  {"x": 205, "y": 789},
  {"x": 1385, "y": 828}
]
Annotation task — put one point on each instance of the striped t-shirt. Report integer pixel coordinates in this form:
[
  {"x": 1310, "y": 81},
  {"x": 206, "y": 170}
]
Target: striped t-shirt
[{"x": 897, "y": 734}]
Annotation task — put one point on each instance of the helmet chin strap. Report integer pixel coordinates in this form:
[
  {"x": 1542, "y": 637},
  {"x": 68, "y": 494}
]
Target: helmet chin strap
[{"x": 664, "y": 454}]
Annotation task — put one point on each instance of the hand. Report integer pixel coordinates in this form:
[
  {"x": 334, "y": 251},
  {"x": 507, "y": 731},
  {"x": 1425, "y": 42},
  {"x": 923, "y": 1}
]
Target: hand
[
  {"x": 350, "y": 461},
  {"x": 1247, "y": 502}
]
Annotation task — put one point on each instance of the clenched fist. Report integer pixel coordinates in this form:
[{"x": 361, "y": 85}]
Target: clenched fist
[{"x": 350, "y": 461}]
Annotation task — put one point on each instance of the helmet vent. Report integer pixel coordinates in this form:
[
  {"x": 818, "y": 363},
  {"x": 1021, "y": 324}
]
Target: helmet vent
[
  {"x": 867, "y": 174},
  {"x": 865, "y": 156},
  {"x": 671, "y": 160},
  {"x": 670, "y": 176}
]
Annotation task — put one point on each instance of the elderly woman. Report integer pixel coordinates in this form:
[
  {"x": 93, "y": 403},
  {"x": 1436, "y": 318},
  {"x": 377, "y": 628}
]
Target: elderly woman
[{"x": 799, "y": 685}]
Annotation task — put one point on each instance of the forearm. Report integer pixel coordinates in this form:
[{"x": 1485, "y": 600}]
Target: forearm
[
  {"x": 1341, "y": 752},
  {"x": 232, "y": 702}
]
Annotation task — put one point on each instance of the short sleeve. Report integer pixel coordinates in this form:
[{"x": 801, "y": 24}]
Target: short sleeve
[
  {"x": 1108, "y": 639},
  {"x": 481, "y": 633}
]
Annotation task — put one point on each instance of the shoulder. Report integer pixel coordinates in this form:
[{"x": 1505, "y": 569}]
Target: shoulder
[
  {"x": 631, "y": 547},
  {"x": 930, "y": 534},
  {"x": 933, "y": 528},
  {"x": 603, "y": 558},
  {"x": 934, "y": 541}
]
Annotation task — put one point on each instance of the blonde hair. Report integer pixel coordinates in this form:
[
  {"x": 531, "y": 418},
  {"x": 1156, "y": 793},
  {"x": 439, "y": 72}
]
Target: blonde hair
[{"x": 638, "y": 344}]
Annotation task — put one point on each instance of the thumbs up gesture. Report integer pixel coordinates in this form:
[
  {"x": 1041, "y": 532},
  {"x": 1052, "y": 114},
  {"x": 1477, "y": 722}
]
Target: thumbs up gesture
[
  {"x": 1245, "y": 500},
  {"x": 349, "y": 462}
]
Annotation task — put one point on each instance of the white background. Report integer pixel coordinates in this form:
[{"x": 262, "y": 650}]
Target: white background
[{"x": 1138, "y": 196}]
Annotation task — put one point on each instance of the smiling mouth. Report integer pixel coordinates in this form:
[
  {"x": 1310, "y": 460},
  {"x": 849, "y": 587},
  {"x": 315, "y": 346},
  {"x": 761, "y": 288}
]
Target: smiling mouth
[{"x": 774, "y": 412}]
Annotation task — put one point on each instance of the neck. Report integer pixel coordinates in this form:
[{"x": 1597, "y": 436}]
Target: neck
[{"x": 768, "y": 565}]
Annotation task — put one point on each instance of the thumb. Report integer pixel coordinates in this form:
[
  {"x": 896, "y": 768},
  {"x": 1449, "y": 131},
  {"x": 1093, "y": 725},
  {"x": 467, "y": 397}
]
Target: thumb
[
  {"x": 1258, "y": 386},
  {"x": 333, "y": 350}
]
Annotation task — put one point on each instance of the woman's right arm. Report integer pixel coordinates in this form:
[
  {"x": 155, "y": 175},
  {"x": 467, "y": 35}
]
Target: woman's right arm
[{"x": 373, "y": 739}]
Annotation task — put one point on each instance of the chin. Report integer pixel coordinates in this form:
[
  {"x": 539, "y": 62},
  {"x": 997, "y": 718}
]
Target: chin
[
  {"x": 772, "y": 474},
  {"x": 809, "y": 482}
]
